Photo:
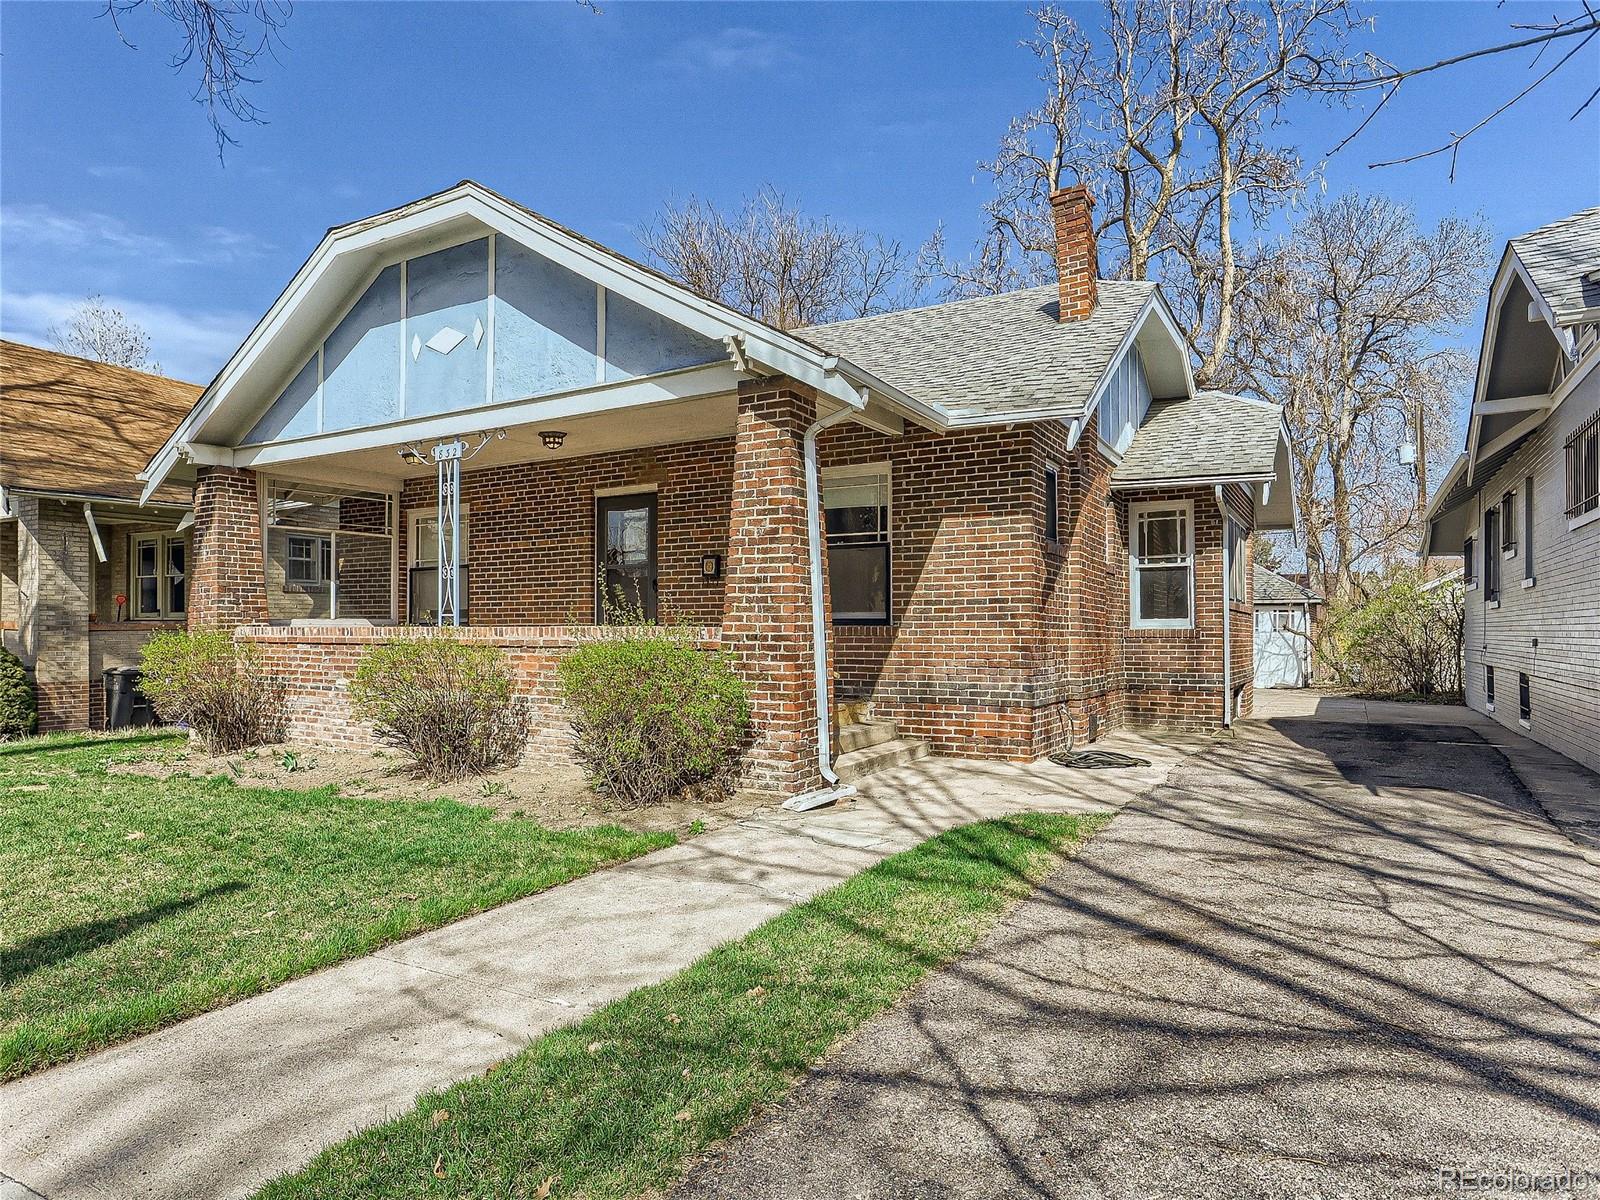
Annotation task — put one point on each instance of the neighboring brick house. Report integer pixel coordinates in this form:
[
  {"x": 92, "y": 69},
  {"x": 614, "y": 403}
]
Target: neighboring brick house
[
  {"x": 1522, "y": 504},
  {"x": 1017, "y": 505},
  {"x": 73, "y": 534}
]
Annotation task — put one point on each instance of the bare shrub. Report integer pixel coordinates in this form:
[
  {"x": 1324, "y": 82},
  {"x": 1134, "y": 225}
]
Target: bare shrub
[
  {"x": 1400, "y": 642},
  {"x": 215, "y": 686},
  {"x": 450, "y": 706}
]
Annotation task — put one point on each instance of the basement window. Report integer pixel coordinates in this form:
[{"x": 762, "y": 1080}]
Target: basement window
[
  {"x": 856, "y": 517},
  {"x": 1161, "y": 565},
  {"x": 1524, "y": 699}
]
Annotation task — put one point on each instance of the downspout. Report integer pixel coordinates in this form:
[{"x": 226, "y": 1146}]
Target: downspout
[
  {"x": 1227, "y": 654},
  {"x": 832, "y": 789}
]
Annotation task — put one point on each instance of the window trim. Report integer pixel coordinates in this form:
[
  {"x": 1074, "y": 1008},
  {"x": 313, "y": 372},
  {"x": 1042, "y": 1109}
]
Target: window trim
[
  {"x": 1135, "y": 511},
  {"x": 1052, "y": 504},
  {"x": 164, "y": 610},
  {"x": 884, "y": 468},
  {"x": 321, "y": 551}
]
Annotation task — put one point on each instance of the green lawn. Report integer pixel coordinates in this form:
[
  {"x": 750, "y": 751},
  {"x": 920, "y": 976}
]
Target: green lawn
[
  {"x": 615, "y": 1105},
  {"x": 127, "y": 903}
]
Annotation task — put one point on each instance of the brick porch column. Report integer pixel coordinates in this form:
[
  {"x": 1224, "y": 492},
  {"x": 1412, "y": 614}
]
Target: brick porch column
[
  {"x": 228, "y": 575},
  {"x": 767, "y": 601},
  {"x": 55, "y": 586}
]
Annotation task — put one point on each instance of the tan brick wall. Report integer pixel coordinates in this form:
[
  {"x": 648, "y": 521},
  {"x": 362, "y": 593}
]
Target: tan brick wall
[{"x": 54, "y": 586}]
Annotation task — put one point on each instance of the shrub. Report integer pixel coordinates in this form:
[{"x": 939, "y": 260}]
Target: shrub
[
  {"x": 215, "y": 686},
  {"x": 1399, "y": 641},
  {"x": 450, "y": 706},
  {"x": 653, "y": 715},
  {"x": 19, "y": 705}
]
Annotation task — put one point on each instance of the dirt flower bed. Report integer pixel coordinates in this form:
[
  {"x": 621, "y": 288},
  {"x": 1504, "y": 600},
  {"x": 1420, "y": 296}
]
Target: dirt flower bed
[{"x": 553, "y": 795}]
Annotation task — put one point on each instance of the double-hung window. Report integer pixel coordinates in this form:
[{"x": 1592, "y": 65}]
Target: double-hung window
[
  {"x": 309, "y": 560},
  {"x": 160, "y": 576},
  {"x": 1161, "y": 565},
  {"x": 1508, "y": 524},
  {"x": 855, "y": 507},
  {"x": 1583, "y": 469}
]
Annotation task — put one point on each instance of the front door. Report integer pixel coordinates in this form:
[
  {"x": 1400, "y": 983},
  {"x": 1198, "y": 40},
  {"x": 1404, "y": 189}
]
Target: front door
[{"x": 625, "y": 544}]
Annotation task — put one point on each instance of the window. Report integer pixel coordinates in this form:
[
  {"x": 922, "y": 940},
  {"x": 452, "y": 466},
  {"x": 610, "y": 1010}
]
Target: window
[
  {"x": 1469, "y": 568},
  {"x": 329, "y": 553},
  {"x": 1508, "y": 523},
  {"x": 855, "y": 506},
  {"x": 422, "y": 577},
  {"x": 1238, "y": 564},
  {"x": 1527, "y": 529},
  {"x": 1524, "y": 700},
  {"x": 1491, "y": 560},
  {"x": 1488, "y": 687},
  {"x": 160, "y": 579},
  {"x": 1162, "y": 566},
  {"x": 1583, "y": 469},
  {"x": 309, "y": 562},
  {"x": 1052, "y": 495}
]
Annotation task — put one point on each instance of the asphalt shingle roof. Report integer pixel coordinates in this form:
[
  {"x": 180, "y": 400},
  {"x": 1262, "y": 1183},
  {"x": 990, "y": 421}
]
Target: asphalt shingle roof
[
  {"x": 1558, "y": 256},
  {"x": 1272, "y": 588},
  {"x": 1215, "y": 435},
  {"x": 1002, "y": 357},
  {"x": 82, "y": 428}
]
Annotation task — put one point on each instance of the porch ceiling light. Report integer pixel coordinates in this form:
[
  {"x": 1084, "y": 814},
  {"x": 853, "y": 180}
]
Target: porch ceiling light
[
  {"x": 552, "y": 438},
  {"x": 413, "y": 456}
]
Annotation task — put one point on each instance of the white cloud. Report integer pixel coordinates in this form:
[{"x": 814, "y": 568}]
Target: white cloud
[
  {"x": 736, "y": 48},
  {"x": 190, "y": 344},
  {"x": 38, "y": 227}
]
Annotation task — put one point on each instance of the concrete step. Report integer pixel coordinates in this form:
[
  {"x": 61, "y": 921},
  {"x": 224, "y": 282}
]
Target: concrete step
[
  {"x": 858, "y": 764},
  {"x": 862, "y": 734}
]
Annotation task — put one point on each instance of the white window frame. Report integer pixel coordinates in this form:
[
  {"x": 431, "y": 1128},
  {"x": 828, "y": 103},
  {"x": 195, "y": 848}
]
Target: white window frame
[
  {"x": 164, "y": 609},
  {"x": 1583, "y": 443},
  {"x": 1186, "y": 559},
  {"x": 830, "y": 475},
  {"x": 321, "y": 550}
]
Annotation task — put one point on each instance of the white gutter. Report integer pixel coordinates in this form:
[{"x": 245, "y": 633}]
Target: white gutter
[
  {"x": 832, "y": 789},
  {"x": 1227, "y": 650},
  {"x": 94, "y": 531}
]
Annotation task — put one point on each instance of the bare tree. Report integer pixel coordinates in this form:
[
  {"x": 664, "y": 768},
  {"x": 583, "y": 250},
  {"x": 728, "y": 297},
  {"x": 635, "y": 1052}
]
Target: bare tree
[
  {"x": 226, "y": 38},
  {"x": 1373, "y": 73},
  {"x": 1169, "y": 119},
  {"x": 770, "y": 260},
  {"x": 1342, "y": 322},
  {"x": 96, "y": 330}
]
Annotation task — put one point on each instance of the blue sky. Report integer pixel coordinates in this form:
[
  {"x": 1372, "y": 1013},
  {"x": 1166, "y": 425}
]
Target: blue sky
[{"x": 875, "y": 115}]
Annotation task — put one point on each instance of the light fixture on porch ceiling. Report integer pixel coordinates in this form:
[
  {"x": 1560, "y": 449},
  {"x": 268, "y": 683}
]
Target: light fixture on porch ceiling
[
  {"x": 411, "y": 456},
  {"x": 552, "y": 438}
]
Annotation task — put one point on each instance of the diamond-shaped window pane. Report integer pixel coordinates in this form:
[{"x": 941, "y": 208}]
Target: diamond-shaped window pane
[{"x": 446, "y": 340}]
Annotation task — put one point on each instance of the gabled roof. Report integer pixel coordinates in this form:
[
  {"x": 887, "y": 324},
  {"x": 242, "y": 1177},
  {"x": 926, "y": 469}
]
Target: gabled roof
[
  {"x": 73, "y": 427},
  {"x": 1560, "y": 257},
  {"x": 1214, "y": 436},
  {"x": 1005, "y": 357},
  {"x": 1272, "y": 588}
]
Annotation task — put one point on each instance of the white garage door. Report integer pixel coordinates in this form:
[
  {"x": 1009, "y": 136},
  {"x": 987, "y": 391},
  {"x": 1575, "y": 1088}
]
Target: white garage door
[{"x": 1281, "y": 647}]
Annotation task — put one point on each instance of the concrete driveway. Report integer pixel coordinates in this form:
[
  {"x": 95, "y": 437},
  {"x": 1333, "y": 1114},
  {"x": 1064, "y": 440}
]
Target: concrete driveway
[{"x": 1324, "y": 959}]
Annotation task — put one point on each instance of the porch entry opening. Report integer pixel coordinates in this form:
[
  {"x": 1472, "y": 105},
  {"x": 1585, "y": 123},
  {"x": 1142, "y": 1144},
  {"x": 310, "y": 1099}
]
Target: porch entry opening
[
  {"x": 330, "y": 553},
  {"x": 855, "y": 508},
  {"x": 625, "y": 552}
]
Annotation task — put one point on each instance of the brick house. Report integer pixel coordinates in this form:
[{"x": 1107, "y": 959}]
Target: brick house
[
  {"x": 1017, "y": 508},
  {"x": 73, "y": 534}
]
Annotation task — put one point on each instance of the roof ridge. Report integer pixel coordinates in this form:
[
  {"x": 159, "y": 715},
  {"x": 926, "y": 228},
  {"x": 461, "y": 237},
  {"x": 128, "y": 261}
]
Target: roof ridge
[
  {"x": 1580, "y": 215},
  {"x": 961, "y": 300}
]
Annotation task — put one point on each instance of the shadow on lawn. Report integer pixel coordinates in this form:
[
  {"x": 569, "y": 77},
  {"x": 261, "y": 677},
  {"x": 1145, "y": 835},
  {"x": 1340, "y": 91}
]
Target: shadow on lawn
[{"x": 49, "y": 948}]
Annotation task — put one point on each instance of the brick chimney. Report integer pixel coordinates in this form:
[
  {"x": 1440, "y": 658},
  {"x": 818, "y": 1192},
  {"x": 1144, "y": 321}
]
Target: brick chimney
[{"x": 1077, "y": 264}]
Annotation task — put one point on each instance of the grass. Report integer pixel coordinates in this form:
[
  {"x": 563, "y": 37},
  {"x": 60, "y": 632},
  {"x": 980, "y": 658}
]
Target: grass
[
  {"x": 615, "y": 1105},
  {"x": 127, "y": 903}
]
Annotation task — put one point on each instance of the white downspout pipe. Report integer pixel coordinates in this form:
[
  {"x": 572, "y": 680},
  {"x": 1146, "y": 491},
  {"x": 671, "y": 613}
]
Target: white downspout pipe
[
  {"x": 832, "y": 789},
  {"x": 1227, "y": 648}
]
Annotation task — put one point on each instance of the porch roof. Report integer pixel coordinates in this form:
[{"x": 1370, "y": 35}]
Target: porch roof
[{"x": 84, "y": 429}]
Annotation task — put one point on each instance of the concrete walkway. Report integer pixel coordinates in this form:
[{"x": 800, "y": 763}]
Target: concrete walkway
[
  {"x": 1332, "y": 958},
  {"x": 215, "y": 1106}
]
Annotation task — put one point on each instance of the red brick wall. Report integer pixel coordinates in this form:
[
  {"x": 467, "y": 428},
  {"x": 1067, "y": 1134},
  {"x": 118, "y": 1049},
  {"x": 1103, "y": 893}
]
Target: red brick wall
[
  {"x": 530, "y": 532},
  {"x": 316, "y": 661},
  {"x": 227, "y": 577},
  {"x": 958, "y": 664}
]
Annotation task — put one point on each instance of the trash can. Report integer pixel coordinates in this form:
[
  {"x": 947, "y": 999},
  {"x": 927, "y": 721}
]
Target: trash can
[{"x": 126, "y": 706}]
